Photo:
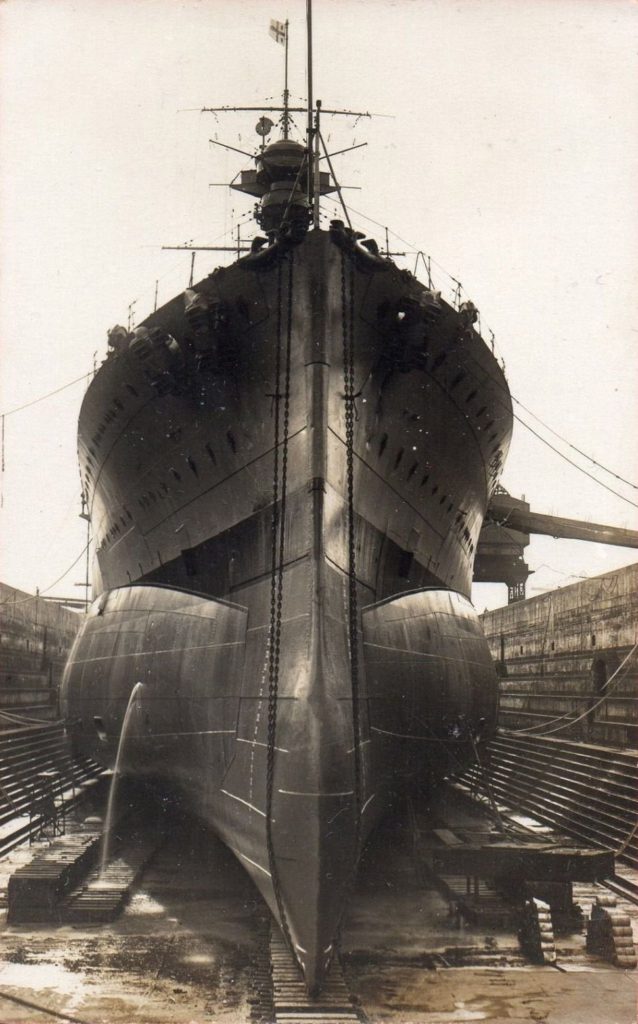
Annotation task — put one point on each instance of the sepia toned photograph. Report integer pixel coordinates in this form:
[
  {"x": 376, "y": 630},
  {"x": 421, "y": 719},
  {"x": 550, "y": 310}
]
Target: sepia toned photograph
[{"x": 318, "y": 492}]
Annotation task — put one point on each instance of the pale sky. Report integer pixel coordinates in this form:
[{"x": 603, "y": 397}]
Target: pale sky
[{"x": 511, "y": 157}]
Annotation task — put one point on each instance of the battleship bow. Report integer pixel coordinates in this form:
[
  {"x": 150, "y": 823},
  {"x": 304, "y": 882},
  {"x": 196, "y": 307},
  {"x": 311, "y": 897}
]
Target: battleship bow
[{"x": 287, "y": 468}]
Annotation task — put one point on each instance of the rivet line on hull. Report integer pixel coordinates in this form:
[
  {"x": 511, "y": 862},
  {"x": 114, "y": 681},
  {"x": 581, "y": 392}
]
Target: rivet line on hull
[
  {"x": 351, "y": 750},
  {"x": 249, "y": 860},
  {"x": 292, "y": 792},
  {"x": 252, "y": 807},
  {"x": 449, "y": 741},
  {"x": 423, "y": 654},
  {"x": 144, "y": 654},
  {"x": 258, "y": 743}
]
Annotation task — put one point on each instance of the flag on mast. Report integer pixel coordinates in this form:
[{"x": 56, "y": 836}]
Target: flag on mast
[{"x": 278, "y": 31}]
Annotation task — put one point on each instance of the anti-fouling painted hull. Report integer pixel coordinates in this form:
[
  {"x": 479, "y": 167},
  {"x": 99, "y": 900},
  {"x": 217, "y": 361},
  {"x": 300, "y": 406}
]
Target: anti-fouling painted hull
[
  {"x": 182, "y": 648},
  {"x": 200, "y": 723},
  {"x": 431, "y": 682}
]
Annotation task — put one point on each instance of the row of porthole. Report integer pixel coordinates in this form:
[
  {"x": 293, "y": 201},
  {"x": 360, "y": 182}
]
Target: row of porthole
[
  {"x": 110, "y": 415},
  {"x": 114, "y": 531},
  {"x": 424, "y": 480},
  {"x": 460, "y": 376},
  {"x": 151, "y": 497},
  {"x": 96, "y": 440},
  {"x": 496, "y": 465}
]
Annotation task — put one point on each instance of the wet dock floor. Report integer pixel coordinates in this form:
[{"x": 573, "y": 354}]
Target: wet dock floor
[{"x": 188, "y": 945}]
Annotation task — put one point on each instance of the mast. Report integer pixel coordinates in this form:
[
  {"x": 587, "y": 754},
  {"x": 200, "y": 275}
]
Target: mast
[
  {"x": 316, "y": 183},
  {"x": 309, "y": 130},
  {"x": 286, "y": 114},
  {"x": 309, "y": 184}
]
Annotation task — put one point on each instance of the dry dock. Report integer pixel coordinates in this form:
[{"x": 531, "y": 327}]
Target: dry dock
[
  {"x": 191, "y": 947},
  {"x": 192, "y": 943}
]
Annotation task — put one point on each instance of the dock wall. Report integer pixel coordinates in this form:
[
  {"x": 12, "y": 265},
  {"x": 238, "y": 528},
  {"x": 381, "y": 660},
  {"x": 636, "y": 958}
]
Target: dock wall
[
  {"x": 35, "y": 639},
  {"x": 556, "y": 655}
]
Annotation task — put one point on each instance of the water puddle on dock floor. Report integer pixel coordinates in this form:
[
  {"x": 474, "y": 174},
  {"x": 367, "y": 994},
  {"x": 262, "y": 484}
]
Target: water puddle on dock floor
[{"x": 188, "y": 948}]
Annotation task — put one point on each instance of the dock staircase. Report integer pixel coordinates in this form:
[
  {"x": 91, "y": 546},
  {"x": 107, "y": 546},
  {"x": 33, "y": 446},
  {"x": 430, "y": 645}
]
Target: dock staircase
[
  {"x": 586, "y": 791},
  {"x": 39, "y": 780}
]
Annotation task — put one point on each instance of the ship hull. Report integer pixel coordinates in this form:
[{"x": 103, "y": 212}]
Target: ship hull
[{"x": 288, "y": 583}]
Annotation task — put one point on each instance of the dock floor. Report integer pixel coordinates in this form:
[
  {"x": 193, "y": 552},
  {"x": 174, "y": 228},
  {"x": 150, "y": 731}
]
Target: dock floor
[{"x": 187, "y": 949}]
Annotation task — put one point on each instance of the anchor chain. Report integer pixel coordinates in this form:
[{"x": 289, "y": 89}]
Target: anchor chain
[
  {"x": 347, "y": 323},
  {"x": 281, "y": 437}
]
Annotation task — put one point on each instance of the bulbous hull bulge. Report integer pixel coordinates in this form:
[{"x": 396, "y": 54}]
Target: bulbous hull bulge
[{"x": 287, "y": 703}]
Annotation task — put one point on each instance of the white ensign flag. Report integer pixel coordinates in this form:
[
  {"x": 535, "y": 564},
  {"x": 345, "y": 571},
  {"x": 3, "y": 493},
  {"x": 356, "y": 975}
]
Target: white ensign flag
[{"x": 278, "y": 31}]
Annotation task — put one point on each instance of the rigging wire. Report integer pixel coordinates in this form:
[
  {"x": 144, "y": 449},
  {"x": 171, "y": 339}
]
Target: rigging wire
[
  {"x": 34, "y": 597},
  {"x": 572, "y": 463},
  {"x": 585, "y": 455},
  {"x": 552, "y": 447},
  {"x": 506, "y": 391},
  {"x": 588, "y": 711},
  {"x": 89, "y": 373},
  {"x": 49, "y": 394},
  {"x": 559, "y": 572},
  {"x": 544, "y": 440},
  {"x": 590, "y": 458},
  {"x": 520, "y": 419},
  {"x": 334, "y": 176}
]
